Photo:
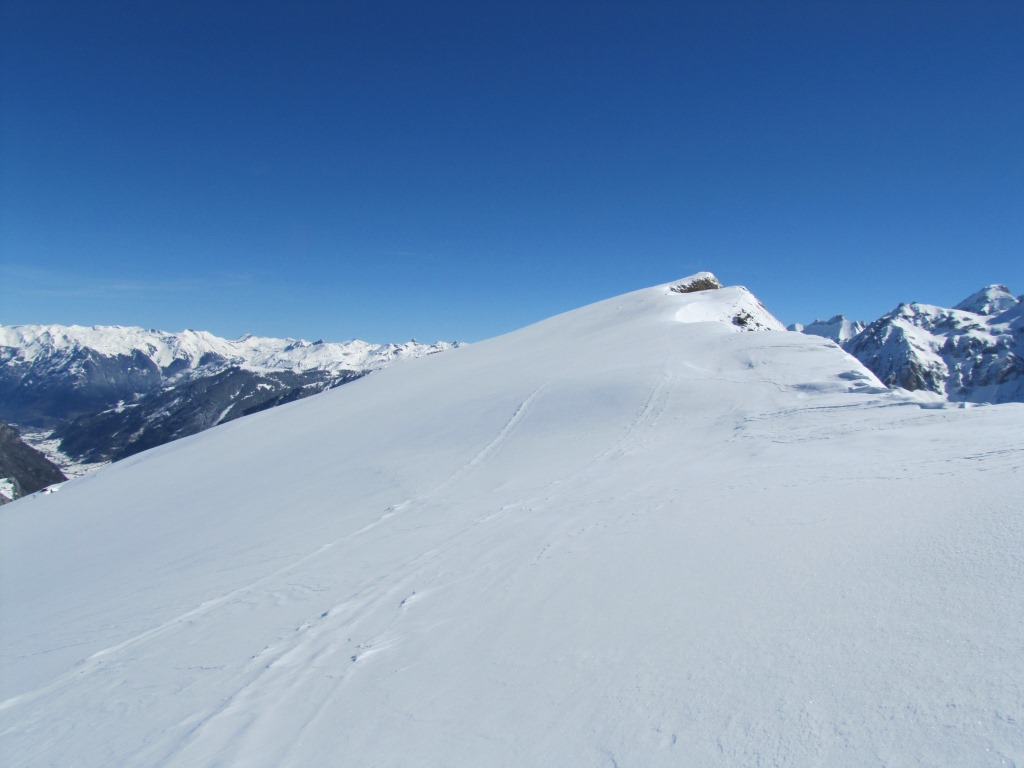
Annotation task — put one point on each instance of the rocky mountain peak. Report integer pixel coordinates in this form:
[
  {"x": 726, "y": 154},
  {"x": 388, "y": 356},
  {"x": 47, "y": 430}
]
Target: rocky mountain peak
[{"x": 973, "y": 352}]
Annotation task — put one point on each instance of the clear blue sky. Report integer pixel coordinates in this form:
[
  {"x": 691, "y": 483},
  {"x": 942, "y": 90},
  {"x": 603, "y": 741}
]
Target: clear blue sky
[{"x": 388, "y": 170}]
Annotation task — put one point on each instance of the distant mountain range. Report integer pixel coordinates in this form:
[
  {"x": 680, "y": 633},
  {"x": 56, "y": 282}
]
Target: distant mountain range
[
  {"x": 103, "y": 393},
  {"x": 973, "y": 352}
]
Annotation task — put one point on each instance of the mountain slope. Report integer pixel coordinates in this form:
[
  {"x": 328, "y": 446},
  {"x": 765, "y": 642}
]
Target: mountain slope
[
  {"x": 189, "y": 406},
  {"x": 632, "y": 534},
  {"x": 107, "y": 392},
  {"x": 23, "y": 470},
  {"x": 973, "y": 353}
]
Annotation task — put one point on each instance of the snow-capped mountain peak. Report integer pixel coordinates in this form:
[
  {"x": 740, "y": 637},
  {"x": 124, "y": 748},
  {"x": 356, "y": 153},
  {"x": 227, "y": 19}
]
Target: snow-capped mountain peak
[
  {"x": 961, "y": 354},
  {"x": 837, "y": 328},
  {"x": 990, "y": 300},
  {"x": 972, "y": 352}
]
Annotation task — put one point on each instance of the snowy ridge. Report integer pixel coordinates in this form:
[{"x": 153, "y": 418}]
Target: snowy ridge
[
  {"x": 625, "y": 535},
  {"x": 26, "y": 344}
]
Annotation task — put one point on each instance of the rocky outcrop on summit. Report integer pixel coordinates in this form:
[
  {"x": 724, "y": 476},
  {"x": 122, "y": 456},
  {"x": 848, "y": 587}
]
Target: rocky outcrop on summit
[
  {"x": 973, "y": 352},
  {"x": 702, "y": 281},
  {"x": 710, "y": 301},
  {"x": 23, "y": 470}
]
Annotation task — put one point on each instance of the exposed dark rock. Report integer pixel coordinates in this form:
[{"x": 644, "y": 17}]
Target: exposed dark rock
[
  {"x": 743, "y": 319},
  {"x": 703, "y": 281}
]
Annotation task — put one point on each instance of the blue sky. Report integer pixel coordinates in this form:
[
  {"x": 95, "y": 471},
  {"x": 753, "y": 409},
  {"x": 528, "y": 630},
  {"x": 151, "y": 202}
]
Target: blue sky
[{"x": 387, "y": 170}]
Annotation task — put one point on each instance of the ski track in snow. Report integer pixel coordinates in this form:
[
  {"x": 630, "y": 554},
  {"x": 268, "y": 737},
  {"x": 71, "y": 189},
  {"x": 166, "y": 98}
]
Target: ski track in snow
[
  {"x": 95, "y": 661},
  {"x": 289, "y": 672},
  {"x": 314, "y": 642},
  {"x": 236, "y": 594},
  {"x": 648, "y": 416},
  {"x": 489, "y": 449}
]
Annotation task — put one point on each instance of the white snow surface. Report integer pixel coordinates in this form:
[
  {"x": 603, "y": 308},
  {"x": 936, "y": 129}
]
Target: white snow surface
[
  {"x": 610, "y": 538},
  {"x": 31, "y": 342}
]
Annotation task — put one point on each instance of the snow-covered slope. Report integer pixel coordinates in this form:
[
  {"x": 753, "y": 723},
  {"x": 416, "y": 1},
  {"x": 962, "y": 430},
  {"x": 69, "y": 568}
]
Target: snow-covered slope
[
  {"x": 632, "y": 534},
  {"x": 106, "y": 392}
]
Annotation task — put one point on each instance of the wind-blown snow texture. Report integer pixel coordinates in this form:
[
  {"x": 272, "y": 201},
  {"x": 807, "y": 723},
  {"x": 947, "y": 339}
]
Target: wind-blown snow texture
[{"x": 632, "y": 534}]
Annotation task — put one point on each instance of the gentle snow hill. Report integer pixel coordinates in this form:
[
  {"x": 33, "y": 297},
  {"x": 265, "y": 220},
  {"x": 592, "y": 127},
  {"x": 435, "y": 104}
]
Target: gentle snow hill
[{"x": 632, "y": 534}]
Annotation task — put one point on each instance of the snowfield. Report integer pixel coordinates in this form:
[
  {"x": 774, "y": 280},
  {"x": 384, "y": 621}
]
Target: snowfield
[{"x": 635, "y": 534}]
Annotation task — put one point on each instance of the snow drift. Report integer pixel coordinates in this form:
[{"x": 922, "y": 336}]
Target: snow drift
[{"x": 632, "y": 534}]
